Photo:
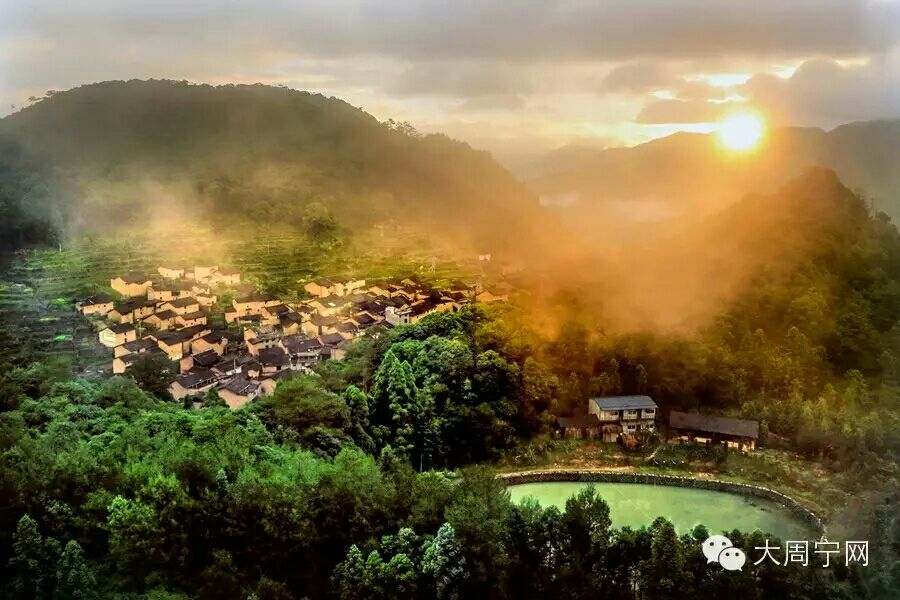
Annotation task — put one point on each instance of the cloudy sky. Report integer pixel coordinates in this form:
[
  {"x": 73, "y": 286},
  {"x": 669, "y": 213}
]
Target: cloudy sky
[{"x": 512, "y": 76}]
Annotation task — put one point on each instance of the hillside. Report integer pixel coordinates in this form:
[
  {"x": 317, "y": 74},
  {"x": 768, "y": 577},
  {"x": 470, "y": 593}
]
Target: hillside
[
  {"x": 131, "y": 150},
  {"x": 682, "y": 277},
  {"x": 670, "y": 176}
]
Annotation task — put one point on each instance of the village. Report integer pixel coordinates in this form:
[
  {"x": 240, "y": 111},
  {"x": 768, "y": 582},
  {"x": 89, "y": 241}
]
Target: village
[{"x": 242, "y": 348}]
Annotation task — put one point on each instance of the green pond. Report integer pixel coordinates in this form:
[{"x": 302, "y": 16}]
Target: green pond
[{"x": 636, "y": 504}]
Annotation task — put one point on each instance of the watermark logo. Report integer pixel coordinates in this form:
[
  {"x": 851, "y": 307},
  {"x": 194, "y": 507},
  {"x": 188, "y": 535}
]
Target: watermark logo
[
  {"x": 732, "y": 559},
  {"x": 719, "y": 549},
  {"x": 855, "y": 552},
  {"x": 713, "y": 545}
]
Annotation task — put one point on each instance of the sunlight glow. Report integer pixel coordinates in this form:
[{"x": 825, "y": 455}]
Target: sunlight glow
[
  {"x": 741, "y": 131},
  {"x": 721, "y": 79}
]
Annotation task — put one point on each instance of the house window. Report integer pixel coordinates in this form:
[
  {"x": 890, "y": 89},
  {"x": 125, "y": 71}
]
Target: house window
[
  {"x": 630, "y": 428},
  {"x": 631, "y": 414}
]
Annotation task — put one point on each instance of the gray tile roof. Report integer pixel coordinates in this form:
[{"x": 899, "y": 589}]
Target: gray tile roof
[
  {"x": 140, "y": 345},
  {"x": 241, "y": 386},
  {"x": 261, "y": 297},
  {"x": 97, "y": 299},
  {"x": 714, "y": 424},
  {"x": 197, "y": 377},
  {"x": 298, "y": 343},
  {"x": 206, "y": 359},
  {"x": 624, "y": 402},
  {"x": 275, "y": 357},
  {"x": 135, "y": 277},
  {"x": 182, "y": 302}
]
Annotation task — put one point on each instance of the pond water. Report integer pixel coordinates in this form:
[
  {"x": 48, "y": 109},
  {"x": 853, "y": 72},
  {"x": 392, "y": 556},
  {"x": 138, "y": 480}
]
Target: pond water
[{"x": 636, "y": 504}]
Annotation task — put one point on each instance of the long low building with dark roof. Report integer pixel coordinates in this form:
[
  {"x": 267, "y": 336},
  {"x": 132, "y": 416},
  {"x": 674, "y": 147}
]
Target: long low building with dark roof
[
  {"x": 696, "y": 427},
  {"x": 578, "y": 427}
]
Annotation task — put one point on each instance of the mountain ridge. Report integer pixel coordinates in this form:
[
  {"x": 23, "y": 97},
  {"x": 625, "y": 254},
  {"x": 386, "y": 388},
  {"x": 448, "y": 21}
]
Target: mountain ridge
[
  {"x": 251, "y": 150},
  {"x": 689, "y": 169}
]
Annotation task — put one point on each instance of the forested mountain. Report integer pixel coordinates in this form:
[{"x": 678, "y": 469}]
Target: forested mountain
[
  {"x": 687, "y": 171},
  {"x": 259, "y": 152},
  {"x": 111, "y": 490},
  {"x": 780, "y": 307}
]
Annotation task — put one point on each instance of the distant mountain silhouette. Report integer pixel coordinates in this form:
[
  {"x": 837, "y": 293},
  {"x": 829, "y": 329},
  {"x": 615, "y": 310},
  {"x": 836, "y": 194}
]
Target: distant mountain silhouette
[{"x": 688, "y": 171}]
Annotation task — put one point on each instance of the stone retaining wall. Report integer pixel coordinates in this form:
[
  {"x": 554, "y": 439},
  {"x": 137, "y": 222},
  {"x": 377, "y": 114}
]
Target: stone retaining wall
[{"x": 800, "y": 511}]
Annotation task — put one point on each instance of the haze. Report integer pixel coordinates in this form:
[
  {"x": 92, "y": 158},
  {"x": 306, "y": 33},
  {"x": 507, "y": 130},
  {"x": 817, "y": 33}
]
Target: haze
[{"x": 517, "y": 79}]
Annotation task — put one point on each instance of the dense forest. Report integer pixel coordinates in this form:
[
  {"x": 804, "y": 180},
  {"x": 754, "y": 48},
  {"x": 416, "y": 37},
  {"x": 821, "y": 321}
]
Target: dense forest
[
  {"x": 336, "y": 485},
  {"x": 371, "y": 478},
  {"x": 249, "y": 155},
  {"x": 325, "y": 489},
  {"x": 29, "y": 213},
  {"x": 130, "y": 497},
  {"x": 809, "y": 345}
]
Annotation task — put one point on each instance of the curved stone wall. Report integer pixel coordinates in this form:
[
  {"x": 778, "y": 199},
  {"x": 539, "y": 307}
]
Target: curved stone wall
[{"x": 787, "y": 502}]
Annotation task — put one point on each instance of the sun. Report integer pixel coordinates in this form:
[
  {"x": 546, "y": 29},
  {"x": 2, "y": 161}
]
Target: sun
[{"x": 741, "y": 131}]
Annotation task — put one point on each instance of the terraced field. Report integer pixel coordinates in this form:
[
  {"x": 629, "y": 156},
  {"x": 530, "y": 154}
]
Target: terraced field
[
  {"x": 38, "y": 286},
  {"x": 39, "y": 320}
]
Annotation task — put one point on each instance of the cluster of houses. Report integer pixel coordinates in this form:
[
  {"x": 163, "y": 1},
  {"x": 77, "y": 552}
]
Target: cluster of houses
[
  {"x": 618, "y": 418},
  {"x": 261, "y": 338}
]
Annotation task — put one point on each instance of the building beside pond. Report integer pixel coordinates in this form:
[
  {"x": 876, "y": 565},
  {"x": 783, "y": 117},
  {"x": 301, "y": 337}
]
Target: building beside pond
[
  {"x": 577, "y": 427},
  {"x": 623, "y": 415},
  {"x": 685, "y": 427}
]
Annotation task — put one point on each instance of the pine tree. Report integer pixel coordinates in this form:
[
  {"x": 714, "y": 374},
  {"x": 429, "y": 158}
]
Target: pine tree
[
  {"x": 444, "y": 562},
  {"x": 358, "y": 403},
  {"x": 664, "y": 574},
  {"x": 349, "y": 575},
  {"x": 74, "y": 579},
  {"x": 395, "y": 395},
  {"x": 28, "y": 580}
]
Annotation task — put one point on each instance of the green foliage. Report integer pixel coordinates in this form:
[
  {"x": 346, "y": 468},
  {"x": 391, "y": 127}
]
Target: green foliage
[
  {"x": 152, "y": 499},
  {"x": 75, "y": 581},
  {"x": 29, "y": 213},
  {"x": 212, "y": 399},
  {"x": 319, "y": 225},
  {"x": 154, "y": 373},
  {"x": 478, "y": 513},
  {"x": 664, "y": 576},
  {"x": 175, "y": 503},
  {"x": 434, "y": 399},
  {"x": 40, "y": 568},
  {"x": 307, "y": 161},
  {"x": 300, "y": 410},
  {"x": 443, "y": 561},
  {"x": 358, "y": 404}
]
